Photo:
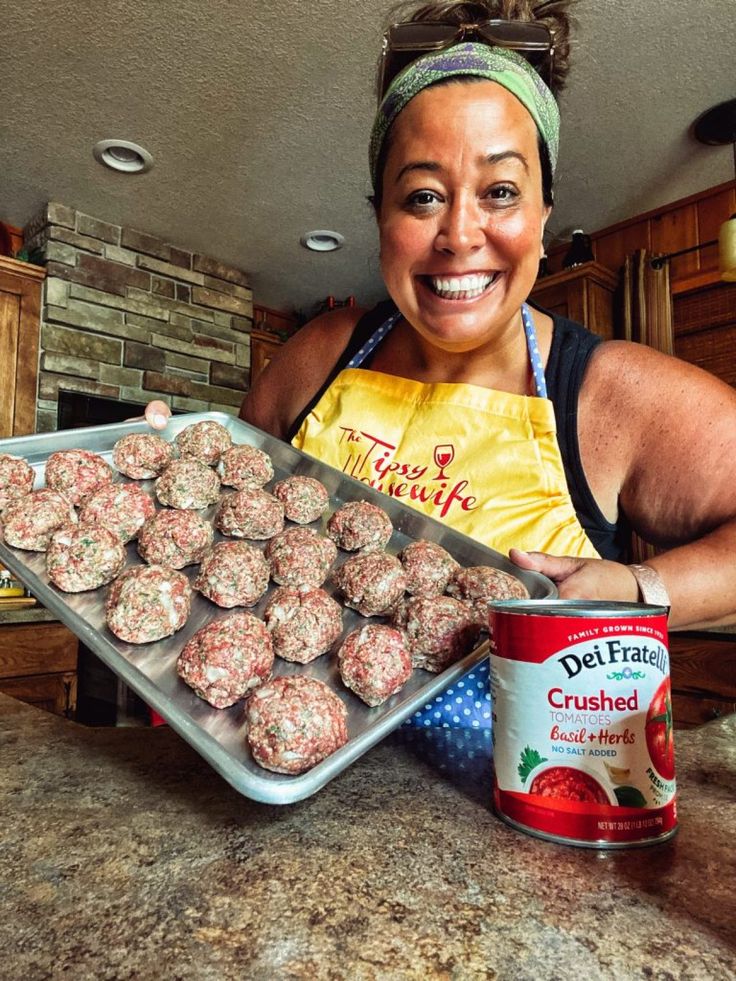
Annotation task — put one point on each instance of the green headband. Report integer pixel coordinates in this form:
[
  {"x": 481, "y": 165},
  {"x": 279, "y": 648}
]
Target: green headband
[{"x": 500, "y": 65}]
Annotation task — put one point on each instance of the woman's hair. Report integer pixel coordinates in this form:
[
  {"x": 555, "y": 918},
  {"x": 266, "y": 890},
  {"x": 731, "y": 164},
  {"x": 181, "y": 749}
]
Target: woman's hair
[{"x": 552, "y": 13}]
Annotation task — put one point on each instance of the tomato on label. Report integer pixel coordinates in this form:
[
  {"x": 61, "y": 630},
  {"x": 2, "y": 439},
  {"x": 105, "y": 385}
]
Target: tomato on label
[
  {"x": 659, "y": 732},
  {"x": 567, "y": 783}
]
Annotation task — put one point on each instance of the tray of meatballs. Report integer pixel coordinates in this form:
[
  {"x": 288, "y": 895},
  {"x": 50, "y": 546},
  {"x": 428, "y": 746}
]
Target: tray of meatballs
[{"x": 280, "y": 615}]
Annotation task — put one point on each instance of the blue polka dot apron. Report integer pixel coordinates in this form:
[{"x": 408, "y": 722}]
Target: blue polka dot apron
[{"x": 483, "y": 461}]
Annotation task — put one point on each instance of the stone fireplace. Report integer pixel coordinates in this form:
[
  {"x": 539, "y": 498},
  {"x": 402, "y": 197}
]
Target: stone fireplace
[{"x": 129, "y": 317}]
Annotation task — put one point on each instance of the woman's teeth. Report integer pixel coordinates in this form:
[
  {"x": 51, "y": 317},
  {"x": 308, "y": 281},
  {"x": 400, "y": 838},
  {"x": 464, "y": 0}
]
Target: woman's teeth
[{"x": 460, "y": 287}]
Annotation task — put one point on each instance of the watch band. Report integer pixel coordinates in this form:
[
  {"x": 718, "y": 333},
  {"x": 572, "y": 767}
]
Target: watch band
[{"x": 651, "y": 587}]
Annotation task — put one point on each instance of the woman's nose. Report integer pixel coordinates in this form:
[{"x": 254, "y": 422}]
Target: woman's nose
[{"x": 462, "y": 227}]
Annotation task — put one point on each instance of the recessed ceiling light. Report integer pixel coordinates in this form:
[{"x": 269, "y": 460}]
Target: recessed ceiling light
[
  {"x": 121, "y": 155},
  {"x": 322, "y": 240}
]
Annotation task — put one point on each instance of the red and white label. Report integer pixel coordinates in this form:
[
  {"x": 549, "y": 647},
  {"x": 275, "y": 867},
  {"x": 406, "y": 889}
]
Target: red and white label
[{"x": 582, "y": 725}]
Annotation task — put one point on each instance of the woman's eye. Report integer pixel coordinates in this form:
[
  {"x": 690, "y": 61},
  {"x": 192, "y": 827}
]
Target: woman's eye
[
  {"x": 503, "y": 193},
  {"x": 422, "y": 199}
]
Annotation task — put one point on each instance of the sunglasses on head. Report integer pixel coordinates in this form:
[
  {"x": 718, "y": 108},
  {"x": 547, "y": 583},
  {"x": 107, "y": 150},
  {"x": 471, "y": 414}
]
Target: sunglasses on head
[{"x": 403, "y": 43}]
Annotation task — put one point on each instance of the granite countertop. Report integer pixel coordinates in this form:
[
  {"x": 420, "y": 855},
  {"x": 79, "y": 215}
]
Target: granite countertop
[{"x": 125, "y": 856}]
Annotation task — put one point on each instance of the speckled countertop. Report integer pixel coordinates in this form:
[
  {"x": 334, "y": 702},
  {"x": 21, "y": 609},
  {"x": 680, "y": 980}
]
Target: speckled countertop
[{"x": 124, "y": 855}]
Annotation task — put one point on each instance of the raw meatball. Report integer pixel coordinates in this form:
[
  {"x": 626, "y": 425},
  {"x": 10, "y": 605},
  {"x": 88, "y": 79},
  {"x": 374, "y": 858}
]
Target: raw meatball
[
  {"x": 428, "y": 568},
  {"x": 30, "y": 521},
  {"x": 304, "y": 498},
  {"x": 359, "y": 524},
  {"x": 399, "y": 611},
  {"x": 294, "y": 723},
  {"x": 16, "y": 479},
  {"x": 206, "y": 441},
  {"x": 76, "y": 473},
  {"x": 147, "y": 603},
  {"x": 304, "y": 623},
  {"x": 371, "y": 583},
  {"x": 82, "y": 557},
  {"x": 233, "y": 574},
  {"x": 480, "y": 584},
  {"x": 439, "y": 631},
  {"x": 121, "y": 508},
  {"x": 374, "y": 662},
  {"x": 250, "y": 514},
  {"x": 188, "y": 483},
  {"x": 227, "y": 658},
  {"x": 300, "y": 557},
  {"x": 174, "y": 539},
  {"x": 142, "y": 455},
  {"x": 245, "y": 467}
]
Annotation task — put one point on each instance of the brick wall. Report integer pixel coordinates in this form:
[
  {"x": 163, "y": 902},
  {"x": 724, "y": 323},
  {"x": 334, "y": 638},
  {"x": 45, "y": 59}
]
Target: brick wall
[{"x": 126, "y": 315}]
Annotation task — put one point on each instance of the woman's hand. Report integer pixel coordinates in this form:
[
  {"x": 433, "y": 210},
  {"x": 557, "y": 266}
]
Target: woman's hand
[
  {"x": 584, "y": 579},
  {"x": 157, "y": 414}
]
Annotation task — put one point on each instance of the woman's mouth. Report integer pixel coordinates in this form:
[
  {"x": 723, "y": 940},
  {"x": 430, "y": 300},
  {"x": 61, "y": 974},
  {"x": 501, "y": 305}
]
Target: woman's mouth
[{"x": 460, "y": 287}]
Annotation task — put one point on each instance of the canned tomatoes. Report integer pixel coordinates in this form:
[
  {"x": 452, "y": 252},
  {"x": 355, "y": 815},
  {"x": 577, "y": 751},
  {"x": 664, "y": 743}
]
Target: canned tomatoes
[{"x": 582, "y": 722}]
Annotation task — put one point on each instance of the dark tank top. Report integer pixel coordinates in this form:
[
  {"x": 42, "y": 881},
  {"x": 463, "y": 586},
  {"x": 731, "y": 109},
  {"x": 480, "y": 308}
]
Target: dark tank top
[{"x": 572, "y": 346}]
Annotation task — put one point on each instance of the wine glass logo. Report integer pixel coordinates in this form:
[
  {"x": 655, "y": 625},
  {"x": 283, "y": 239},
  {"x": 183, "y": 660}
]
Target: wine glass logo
[{"x": 444, "y": 454}]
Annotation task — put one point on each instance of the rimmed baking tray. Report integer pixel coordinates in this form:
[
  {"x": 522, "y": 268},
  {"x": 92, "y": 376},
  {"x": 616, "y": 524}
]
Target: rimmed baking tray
[{"x": 218, "y": 735}]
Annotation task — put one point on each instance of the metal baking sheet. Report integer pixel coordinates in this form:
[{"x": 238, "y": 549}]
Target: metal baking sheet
[{"x": 150, "y": 669}]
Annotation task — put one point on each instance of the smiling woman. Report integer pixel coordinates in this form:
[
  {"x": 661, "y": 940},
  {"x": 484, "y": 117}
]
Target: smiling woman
[
  {"x": 461, "y": 235},
  {"x": 513, "y": 425}
]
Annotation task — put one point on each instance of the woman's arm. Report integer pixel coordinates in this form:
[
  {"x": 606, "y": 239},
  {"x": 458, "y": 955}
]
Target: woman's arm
[
  {"x": 659, "y": 435},
  {"x": 297, "y": 371}
]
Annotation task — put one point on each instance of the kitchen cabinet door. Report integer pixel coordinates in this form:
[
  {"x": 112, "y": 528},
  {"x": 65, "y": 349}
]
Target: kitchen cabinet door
[
  {"x": 584, "y": 294},
  {"x": 38, "y": 665},
  {"x": 55, "y": 693},
  {"x": 20, "y": 309}
]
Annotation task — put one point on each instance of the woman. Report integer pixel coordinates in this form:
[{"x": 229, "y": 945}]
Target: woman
[{"x": 512, "y": 425}]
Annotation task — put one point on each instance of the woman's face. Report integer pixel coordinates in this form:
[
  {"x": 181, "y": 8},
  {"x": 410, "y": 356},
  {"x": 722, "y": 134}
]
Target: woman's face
[{"x": 462, "y": 214}]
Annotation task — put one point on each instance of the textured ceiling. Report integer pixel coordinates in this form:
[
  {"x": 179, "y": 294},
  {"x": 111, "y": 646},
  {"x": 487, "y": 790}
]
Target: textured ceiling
[{"x": 257, "y": 116}]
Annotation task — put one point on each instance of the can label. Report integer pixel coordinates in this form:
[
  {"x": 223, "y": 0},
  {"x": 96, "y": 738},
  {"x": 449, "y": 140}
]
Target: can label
[{"x": 582, "y": 724}]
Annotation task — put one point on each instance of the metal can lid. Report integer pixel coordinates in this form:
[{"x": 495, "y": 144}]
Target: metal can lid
[{"x": 577, "y": 608}]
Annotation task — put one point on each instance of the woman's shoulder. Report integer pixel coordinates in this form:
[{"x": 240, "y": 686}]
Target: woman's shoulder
[
  {"x": 638, "y": 372},
  {"x": 662, "y": 433},
  {"x": 647, "y": 397},
  {"x": 298, "y": 369},
  {"x": 657, "y": 436}
]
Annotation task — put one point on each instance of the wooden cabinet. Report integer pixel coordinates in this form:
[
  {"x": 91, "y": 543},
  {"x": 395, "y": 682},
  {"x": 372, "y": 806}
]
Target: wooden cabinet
[
  {"x": 703, "y": 669},
  {"x": 56, "y": 693},
  {"x": 20, "y": 307},
  {"x": 38, "y": 665},
  {"x": 584, "y": 294},
  {"x": 38, "y": 661}
]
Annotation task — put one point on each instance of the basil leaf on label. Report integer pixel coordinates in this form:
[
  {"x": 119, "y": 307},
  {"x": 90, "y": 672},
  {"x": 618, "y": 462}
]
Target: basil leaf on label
[
  {"x": 529, "y": 759},
  {"x": 629, "y": 797}
]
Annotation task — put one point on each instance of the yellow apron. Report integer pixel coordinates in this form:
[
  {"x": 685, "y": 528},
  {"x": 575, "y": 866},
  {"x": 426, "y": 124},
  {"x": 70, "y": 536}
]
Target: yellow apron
[{"x": 485, "y": 462}]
